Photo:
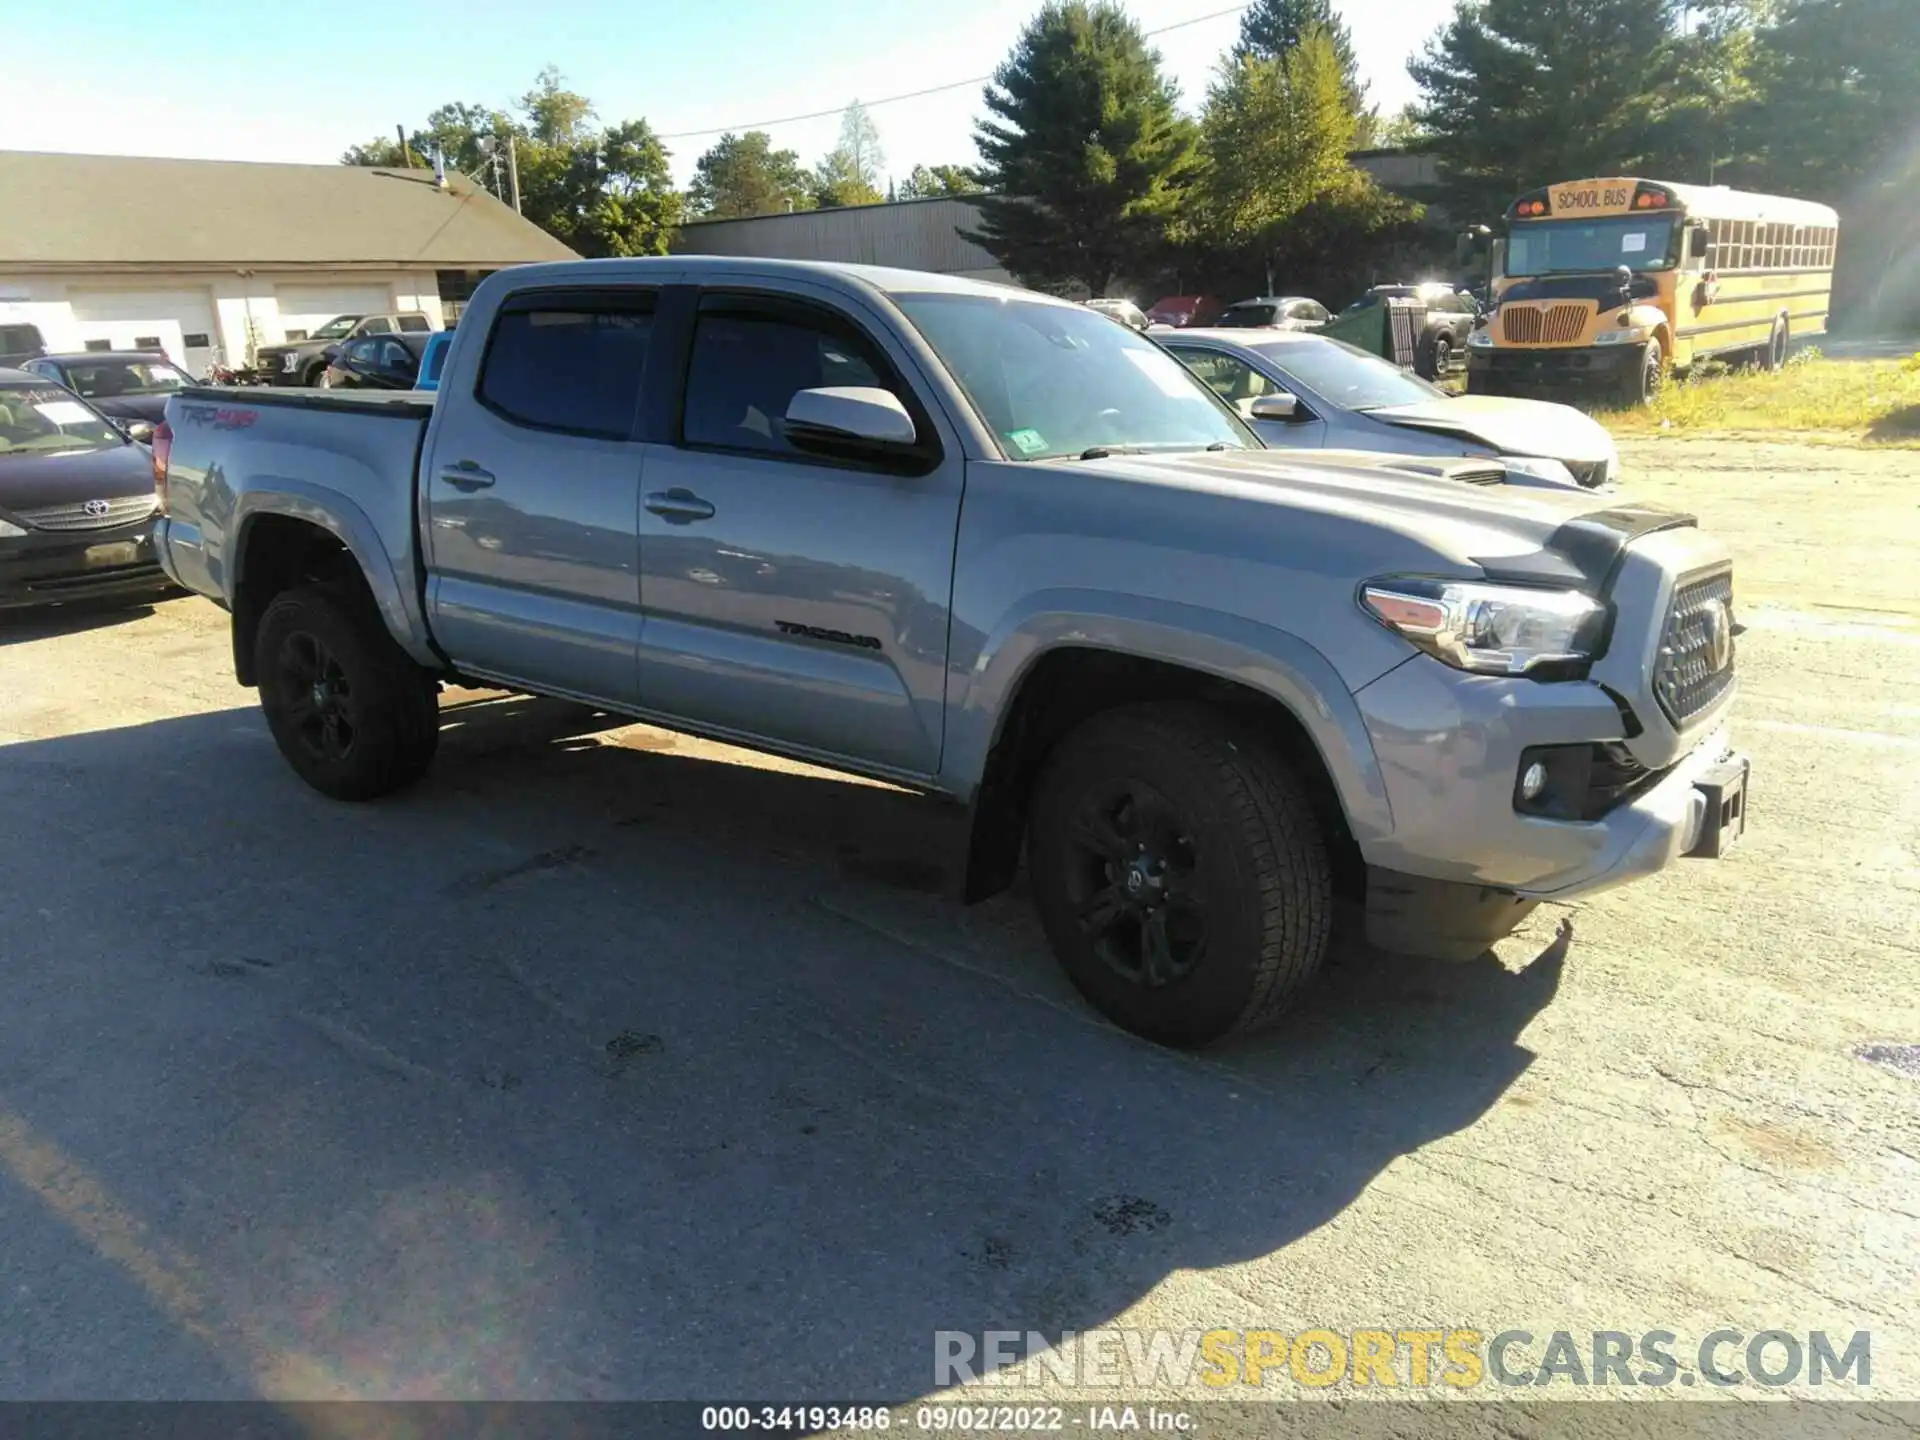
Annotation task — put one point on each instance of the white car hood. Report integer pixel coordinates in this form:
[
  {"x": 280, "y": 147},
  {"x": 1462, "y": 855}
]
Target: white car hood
[{"x": 1511, "y": 426}]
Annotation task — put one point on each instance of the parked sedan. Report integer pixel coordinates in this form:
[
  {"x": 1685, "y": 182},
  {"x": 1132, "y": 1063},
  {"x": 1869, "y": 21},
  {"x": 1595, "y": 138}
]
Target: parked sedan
[
  {"x": 376, "y": 362},
  {"x": 1180, "y": 311},
  {"x": 127, "y": 386},
  {"x": 1310, "y": 391},
  {"x": 1275, "y": 312},
  {"x": 76, "y": 500}
]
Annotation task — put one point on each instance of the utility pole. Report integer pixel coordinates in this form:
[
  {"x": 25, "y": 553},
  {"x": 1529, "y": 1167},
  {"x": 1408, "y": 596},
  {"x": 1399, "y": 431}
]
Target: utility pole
[
  {"x": 513, "y": 171},
  {"x": 406, "y": 150}
]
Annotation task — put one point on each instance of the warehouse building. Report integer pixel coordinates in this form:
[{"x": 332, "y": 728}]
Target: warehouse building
[
  {"x": 927, "y": 234},
  {"x": 905, "y": 234},
  {"x": 209, "y": 259}
]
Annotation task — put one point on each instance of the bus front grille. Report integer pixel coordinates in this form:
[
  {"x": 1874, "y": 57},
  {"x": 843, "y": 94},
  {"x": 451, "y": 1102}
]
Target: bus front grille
[{"x": 1541, "y": 325}]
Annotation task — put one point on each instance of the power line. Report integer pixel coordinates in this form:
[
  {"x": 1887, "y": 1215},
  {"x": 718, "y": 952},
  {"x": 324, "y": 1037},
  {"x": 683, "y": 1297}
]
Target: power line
[{"x": 914, "y": 94}]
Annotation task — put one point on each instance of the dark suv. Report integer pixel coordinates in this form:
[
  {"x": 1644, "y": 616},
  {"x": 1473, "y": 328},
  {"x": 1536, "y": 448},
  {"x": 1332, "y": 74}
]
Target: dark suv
[
  {"x": 20, "y": 342},
  {"x": 1443, "y": 335},
  {"x": 304, "y": 362}
]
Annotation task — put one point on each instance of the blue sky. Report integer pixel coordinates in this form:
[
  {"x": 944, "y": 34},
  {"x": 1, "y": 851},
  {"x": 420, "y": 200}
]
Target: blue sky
[{"x": 280, "y": 80}]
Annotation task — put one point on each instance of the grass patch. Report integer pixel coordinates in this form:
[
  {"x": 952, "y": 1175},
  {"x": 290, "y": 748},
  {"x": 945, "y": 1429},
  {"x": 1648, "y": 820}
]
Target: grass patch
[{"x": 1854, "y": 400}]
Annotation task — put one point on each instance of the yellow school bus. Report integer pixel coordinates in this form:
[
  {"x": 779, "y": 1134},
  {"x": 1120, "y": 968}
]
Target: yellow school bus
[{"x": 1605, "y": 286}]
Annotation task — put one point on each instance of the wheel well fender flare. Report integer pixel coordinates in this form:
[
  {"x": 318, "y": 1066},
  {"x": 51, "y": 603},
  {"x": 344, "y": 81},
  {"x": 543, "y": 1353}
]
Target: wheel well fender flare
[{"x": 398, "y": 603}]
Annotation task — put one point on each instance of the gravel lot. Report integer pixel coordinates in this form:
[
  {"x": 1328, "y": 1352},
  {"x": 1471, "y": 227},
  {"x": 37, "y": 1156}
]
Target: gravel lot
[{"x": 614, "y": 1064}]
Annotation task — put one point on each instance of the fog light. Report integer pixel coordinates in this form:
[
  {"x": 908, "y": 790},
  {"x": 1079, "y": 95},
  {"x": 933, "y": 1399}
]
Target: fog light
[{"x": 1532, "y": 781}]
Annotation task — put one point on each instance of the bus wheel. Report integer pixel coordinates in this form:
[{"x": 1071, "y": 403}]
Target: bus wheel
[
  {"x": 1643, "y": 382},
  {"x": 1775, "y": 355}
]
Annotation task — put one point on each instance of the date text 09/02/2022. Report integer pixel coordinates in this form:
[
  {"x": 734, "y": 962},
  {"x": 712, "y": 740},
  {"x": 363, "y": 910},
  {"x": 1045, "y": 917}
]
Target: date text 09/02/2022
[{"x": 966, "y": 1419}]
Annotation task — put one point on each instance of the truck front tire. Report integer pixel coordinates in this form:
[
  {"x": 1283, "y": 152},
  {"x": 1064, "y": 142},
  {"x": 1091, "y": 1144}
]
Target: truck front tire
[
  {"x": 1180, "y": 873},
  {"x": 352, "y": 714}
]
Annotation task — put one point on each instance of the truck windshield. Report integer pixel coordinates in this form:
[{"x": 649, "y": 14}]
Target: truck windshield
[
  {"x": 335, "y": 328},
  {"x": 36, "y": 420},
  {"x": 1556, "y": 246},
  {"x": 1057, "y": 380}
]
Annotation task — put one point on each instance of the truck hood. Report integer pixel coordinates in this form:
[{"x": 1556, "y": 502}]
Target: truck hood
[
  {"x": 1548, "y": 536},
  {"x": 298, "y": 347},
  {"x": 1510, "y": 426}
]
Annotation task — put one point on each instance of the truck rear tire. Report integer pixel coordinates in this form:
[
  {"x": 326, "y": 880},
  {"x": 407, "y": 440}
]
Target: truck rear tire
[
  {"x": 350, "y": 711},
  {"x": 1180, "y": 873}
]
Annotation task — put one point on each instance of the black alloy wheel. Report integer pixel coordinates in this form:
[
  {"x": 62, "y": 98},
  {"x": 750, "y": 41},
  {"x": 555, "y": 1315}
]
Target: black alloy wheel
[
  {"x": 320, "y": 700},
  {"x": 1135, "y": 885}
]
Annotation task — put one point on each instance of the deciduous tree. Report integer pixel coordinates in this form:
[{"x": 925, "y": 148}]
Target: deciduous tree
[
  {"x": 927, "y": 181},
  {"x": 1273, "y": 28},
  {"x": 744, "y": 175},
  {"x": 603, "y": 191},
  {"x": 849, "y": 174}
]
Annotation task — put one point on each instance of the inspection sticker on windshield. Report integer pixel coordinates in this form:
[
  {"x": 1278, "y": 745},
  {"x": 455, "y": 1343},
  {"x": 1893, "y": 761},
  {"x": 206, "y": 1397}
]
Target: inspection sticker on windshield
[
  {"x": 65, "y": 412},
  {"x": 1633, "y": 242},
  {"x": 1029, "y": 442}
]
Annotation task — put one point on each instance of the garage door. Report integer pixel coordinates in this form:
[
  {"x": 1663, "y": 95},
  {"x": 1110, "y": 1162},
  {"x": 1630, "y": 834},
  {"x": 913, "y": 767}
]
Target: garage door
[
  {"x": 180, "y": 322},
  {"x": 308, "y": 307}
]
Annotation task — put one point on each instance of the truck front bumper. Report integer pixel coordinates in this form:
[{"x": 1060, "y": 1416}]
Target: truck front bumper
[
  {"x": 1519, "y": 372},
  {"x": 1464, "y": 865}
]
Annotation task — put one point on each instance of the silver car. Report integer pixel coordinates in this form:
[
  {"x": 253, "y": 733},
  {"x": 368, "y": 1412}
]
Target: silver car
[{"x": 1302, "y": 391}]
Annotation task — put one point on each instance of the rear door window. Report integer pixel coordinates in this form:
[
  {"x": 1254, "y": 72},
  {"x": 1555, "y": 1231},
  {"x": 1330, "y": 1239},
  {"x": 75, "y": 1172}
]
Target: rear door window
[
  {"x": 414, "y": 324},
  {"x": 569, "y": 363}
]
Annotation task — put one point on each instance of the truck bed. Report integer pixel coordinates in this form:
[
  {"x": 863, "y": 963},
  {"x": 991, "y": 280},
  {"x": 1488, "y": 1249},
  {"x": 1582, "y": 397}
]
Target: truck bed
[
  {"x": 341, "y": 460},
  {"x": 414, "y": 404}
]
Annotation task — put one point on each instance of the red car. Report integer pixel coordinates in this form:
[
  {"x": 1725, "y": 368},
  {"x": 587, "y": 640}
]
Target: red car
[{"x": 1183, "y": 310}]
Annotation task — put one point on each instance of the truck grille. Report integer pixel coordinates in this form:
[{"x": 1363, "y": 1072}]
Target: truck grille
[
  {"x": 89, "y": 514},
  {"x": 1558, "y": 325},
  {"x": 1695, "y": 668}
]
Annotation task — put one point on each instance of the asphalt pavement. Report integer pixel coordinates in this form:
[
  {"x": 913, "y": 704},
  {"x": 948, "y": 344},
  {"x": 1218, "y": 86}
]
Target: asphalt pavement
[{"x": 613, "y": 1064}]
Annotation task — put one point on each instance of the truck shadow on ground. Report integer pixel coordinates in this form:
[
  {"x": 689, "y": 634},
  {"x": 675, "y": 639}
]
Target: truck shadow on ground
[{"x": 589, "y": 1070}]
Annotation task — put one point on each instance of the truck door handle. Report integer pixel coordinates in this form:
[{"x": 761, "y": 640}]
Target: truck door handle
[
  {"x": 467, "y": 475},
  {"x": 679, "y": 506}
]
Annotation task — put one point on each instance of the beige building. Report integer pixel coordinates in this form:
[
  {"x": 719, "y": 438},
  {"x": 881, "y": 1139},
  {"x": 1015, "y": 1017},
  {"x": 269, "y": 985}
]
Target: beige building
[{"x": 208, "y": 259}]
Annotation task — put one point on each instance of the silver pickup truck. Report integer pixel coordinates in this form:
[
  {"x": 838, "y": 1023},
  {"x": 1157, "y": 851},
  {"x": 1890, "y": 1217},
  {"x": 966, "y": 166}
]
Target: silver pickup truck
[{"x": 992, "y": 547}]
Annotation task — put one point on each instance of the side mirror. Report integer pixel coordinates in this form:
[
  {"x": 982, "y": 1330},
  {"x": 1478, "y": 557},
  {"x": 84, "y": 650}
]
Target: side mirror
[
  {"x": 1278, "y": 405},
  {"x": 849, "y": 419},
  {"x": 139, "y": 431},
  {"x": 1699, "y": 243}
]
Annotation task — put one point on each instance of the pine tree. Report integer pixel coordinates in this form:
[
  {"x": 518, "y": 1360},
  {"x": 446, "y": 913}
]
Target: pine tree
[
  {"x": 1085, "y": 150},
  {"x": 1273, "y": 28},
  {"x": 1524, "y": 92}
]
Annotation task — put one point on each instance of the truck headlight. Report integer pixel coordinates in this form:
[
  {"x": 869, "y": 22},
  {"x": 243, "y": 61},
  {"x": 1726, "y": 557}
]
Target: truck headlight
[
  {"x": 1540, "y": 467},
  {"x": 289, "y": 361},
  {"x": 1481, "y": 339},
  {"x": 1633, "y": 335},
  {"x": 1486, "y": 628}
]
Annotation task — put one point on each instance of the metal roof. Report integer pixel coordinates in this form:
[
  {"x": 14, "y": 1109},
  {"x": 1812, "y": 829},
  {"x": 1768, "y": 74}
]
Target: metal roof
[{"x": 91, "y": 211}]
